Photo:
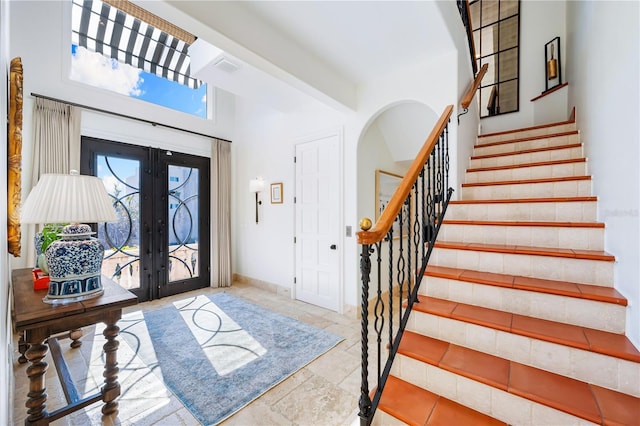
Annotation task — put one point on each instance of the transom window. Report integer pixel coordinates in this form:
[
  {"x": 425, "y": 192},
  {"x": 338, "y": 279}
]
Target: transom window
[
  {"x": 496, "y": 32},
  {"x": 130, "y": 51}
]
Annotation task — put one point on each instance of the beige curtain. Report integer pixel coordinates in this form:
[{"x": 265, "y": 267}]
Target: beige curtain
[
  {"x": 56, "y": 134},
  {"x": 221, "y": 274},
  {"x": 56, "y": 146}
]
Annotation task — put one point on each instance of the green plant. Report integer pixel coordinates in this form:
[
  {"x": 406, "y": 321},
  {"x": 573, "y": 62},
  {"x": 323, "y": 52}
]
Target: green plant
[{"x": 50, "y": 233}]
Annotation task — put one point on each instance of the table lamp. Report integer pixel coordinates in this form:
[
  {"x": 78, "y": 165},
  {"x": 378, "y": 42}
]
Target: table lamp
[{"x": 75, "y": 260}]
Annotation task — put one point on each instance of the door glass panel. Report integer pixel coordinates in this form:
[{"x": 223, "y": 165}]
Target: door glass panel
[
  {"x": 121, "y": 239},
  {"x": 183, "y": 223}
]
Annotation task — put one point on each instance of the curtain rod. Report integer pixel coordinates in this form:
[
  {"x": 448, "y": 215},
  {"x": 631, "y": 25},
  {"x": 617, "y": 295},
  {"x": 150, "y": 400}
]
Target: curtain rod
[{"x": 154, "y": 124}]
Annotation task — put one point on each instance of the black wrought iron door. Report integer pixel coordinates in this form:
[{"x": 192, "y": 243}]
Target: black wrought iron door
[
  {"x": 183, "y": 230},
  {"x": 160, "y": 244}
]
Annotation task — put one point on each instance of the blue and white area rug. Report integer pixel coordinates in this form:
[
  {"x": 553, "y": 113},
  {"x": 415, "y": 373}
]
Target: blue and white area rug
[{"x": 218, "y": 353}]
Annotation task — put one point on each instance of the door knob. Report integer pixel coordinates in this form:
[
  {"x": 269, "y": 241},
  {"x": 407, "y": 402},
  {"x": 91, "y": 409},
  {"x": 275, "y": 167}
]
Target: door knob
[{"x": 333, "y": 247}]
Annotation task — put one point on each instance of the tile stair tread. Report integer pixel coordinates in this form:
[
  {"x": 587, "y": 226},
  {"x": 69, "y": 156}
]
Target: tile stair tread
[
  {"x": 526, "y": 129},
  {"x": 602, "y": 342},
  {"x": 524, "y": 223},
  {"x": 527, "y": 151},
  {"x": 523, "y": 165},
  {"x": 560, "y": 288},
  {"x": 527, "y": 138},
  {"x": 573, "y": 396},
  {"x": 527, "y": 200},
  {"x": 526, "y": 181},
  {"x": 417, "y": 406},
  {"x": 528, "y": 250}
]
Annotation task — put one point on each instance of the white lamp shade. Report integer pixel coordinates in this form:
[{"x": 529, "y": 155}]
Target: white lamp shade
[
  {"x": 256, "y": 185},
  {"x": 73, "y": 198}
]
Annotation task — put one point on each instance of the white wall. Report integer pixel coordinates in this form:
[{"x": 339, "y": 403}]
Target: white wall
[
  {"x": 6, "y": 347},
  {"x": 540, "y": 22},
  {"x": 467, "y": 125},
  {"x": 373, "y": 154},
  {"x": 264, "y": 146},
  {"x": 603, "y": 67}
]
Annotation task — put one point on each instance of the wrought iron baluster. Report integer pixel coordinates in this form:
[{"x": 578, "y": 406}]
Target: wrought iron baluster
[
  {"x": 390, "y": 266},
  {"x": 446, "y": 159},
  {"x": 423, "y": 208},
  {"x": 400, "y": 264},
  {"x": 379, "y": 310}
]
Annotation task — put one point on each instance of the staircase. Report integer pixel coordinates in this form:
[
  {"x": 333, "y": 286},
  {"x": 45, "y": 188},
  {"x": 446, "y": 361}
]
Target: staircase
[{"x": 518, "y": 320}]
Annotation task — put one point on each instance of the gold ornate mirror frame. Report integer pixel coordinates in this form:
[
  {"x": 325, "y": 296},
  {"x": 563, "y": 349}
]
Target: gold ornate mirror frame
[{"x": 14, "y": 157}]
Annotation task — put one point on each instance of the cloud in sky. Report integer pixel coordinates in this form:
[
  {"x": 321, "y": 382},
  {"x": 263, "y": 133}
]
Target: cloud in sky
[{"x": 99, "y": 71}]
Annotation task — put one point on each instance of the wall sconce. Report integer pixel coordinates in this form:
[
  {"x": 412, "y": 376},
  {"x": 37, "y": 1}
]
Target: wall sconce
[{"x": 256, "y": 185}]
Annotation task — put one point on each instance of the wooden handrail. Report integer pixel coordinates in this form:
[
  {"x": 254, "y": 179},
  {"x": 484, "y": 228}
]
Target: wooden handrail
[
  {"x": 384, "y": 223},
  {"x": 473, "y": 88}
]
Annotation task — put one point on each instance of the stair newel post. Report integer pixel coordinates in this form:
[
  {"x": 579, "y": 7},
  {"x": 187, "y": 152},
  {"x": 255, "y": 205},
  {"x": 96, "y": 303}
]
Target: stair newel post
[{"x": 364, "y": 402}]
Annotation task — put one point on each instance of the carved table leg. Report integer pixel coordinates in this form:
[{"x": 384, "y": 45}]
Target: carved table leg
[
  {"x": 22, "y": 348},
  {"x": 75, "y": 336},
  {"x": 36, "y": 403},
  {"x": 111, "y": 388}
]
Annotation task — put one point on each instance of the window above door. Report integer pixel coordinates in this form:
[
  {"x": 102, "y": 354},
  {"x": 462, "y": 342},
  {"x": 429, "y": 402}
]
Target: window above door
[{"x": 127, "y": 50}]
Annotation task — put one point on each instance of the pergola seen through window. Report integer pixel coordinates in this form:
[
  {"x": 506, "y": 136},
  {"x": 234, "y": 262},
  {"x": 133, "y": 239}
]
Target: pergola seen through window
[{"x": 121, "y": 47}]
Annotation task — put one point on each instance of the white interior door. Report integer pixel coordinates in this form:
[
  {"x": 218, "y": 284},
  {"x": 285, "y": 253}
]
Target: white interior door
[{"x": 318, "y": 210}]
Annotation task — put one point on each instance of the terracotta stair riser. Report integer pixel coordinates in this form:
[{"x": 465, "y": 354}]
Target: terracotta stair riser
[
  {"x": 573, "y": 211},
  {"x": 587, "y": 366},
  {"x": 486, "y": 399},
  {"x": 568, "y": 188},
  {"x": 549, "y": 130},
  {"x": 528, "y": 157},
  {"x": 529, "y": 172},
  {"x": 584, "y": 271},
  {"x": 526, "y": 144},
  {"x": 569, "y": 310},
  {"x": 578, "y": 238}
]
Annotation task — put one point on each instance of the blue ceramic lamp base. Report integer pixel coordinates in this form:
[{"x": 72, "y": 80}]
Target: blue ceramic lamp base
[{"x": 74, "y": 265}]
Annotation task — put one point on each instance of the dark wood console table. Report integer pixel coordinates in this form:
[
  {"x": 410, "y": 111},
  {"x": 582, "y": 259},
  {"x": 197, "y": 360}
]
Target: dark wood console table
[{"x": 39, "y": 321}]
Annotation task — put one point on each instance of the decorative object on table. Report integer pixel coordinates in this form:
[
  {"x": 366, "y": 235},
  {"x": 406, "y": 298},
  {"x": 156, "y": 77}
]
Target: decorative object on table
[
  {"x": 75, "y": 260},
  {"x": 552, "y": 68},
  {"x": 42, "y": 240},
  {"x": 14, "y": 157},
  {"x": 40, "y": 279},
  {"x": 256, "y": 186},
  {"x": 231, "y": 348},
  {"x": 276, "y": 193}
]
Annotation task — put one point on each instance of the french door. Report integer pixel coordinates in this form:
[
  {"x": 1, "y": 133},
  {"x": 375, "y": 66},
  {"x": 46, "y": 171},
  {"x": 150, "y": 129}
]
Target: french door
[{"x": 160, "y": 244}]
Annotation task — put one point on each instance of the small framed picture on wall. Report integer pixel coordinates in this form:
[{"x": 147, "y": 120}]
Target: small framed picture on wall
[{"x": 276, "y": 193}]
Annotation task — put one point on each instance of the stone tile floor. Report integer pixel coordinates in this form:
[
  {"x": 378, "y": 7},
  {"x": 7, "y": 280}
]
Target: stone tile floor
[{"x": 325, "y": 392}]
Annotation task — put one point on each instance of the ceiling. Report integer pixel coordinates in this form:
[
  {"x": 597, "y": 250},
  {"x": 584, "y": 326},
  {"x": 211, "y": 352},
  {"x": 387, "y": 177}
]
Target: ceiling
[
  {"x": 325, "y": 49},
  {"x": 359, "y": 39}
]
